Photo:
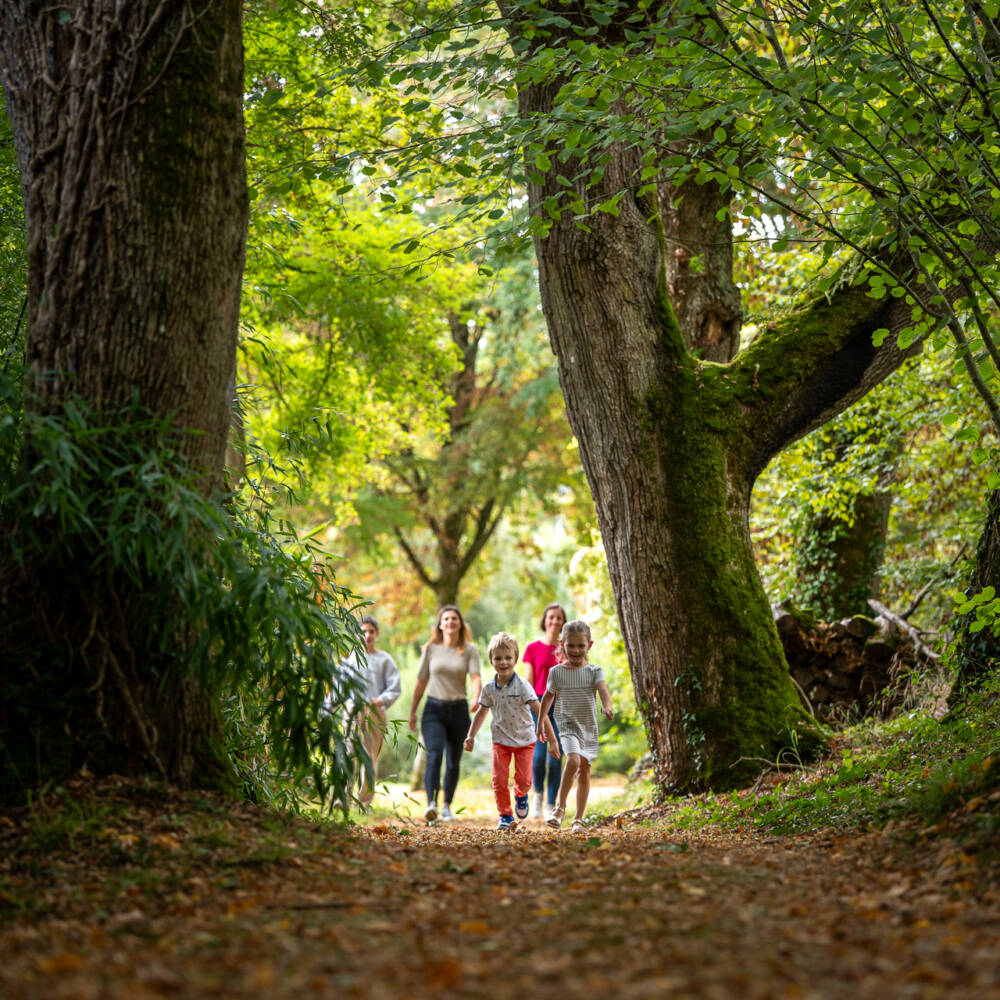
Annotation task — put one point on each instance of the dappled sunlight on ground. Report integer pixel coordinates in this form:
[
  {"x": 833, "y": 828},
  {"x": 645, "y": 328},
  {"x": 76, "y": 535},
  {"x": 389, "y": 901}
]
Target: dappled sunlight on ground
[{"x": 473, "y": 802}]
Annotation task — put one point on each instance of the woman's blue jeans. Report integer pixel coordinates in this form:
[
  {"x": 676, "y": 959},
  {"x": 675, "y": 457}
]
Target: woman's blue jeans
[{"x": 539, "y": 767}]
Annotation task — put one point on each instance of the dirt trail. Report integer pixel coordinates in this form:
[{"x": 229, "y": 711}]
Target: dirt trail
[{"x": 458, "y": 910}]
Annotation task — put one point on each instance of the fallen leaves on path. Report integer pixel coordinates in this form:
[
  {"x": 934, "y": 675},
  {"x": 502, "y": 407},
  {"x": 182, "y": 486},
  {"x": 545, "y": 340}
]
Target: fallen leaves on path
[{"x": 188, "y": 896}]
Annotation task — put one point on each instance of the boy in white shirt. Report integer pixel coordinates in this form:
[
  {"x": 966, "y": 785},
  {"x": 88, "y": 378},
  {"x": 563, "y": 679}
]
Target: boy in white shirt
[{"x": 512, "y": 729}]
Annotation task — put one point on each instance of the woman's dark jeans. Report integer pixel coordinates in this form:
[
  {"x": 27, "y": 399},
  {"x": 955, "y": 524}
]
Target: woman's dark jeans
[
  {"x": 444, "y": 726},
  {"x": 538, "y": 766}
]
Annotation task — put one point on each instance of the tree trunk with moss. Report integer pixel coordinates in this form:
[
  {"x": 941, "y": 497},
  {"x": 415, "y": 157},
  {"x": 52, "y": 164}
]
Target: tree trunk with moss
[
  {"x": 838, "y": 558},
  {"x": 839, "y": 547},
  {"x": 672, "y": 444},
  {"x": 977, "y": 645},
  {"x": 127, "y": 120}
]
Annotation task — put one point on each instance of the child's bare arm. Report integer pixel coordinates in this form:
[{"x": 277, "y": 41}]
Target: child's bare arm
[
  {"x": 554, "y": 751},
  {"x": 543, "y": 717},
  {"x": 605, "y": 695},
  {"x": 477, "y": 723}
]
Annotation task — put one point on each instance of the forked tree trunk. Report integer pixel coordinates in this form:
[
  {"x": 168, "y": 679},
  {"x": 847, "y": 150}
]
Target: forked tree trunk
[
  {"x": 128, "y": 125},
  {"x": 671, "y": 482},
  {"x": 672, "y": 444}
]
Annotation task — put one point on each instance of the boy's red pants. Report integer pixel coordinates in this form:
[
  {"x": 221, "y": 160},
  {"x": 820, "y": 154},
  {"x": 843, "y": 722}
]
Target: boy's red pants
[{"x": 501, "y": 773}]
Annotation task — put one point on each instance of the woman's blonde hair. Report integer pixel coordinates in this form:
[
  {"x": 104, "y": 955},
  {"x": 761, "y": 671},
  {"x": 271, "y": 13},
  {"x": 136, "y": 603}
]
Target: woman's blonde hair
[
  {"x": 502, "y": 640},
  {"x": 464, "y": 637}
]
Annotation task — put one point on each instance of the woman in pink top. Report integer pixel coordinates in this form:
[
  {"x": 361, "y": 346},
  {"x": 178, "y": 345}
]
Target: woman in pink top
[{"x": 541, "y": 656}]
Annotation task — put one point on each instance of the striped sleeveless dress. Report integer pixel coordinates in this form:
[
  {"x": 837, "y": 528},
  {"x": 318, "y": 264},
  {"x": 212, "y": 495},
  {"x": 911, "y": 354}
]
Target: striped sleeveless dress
[{"x": 576, "y": 707}]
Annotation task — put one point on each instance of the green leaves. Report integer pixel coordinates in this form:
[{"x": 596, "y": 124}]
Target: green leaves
[
  {"x": 986, "y": 607},
  {"x": 179, "y": 585}
]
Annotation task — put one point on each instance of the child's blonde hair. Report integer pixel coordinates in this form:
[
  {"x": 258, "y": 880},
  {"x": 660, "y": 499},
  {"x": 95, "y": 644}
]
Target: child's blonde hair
[
  {"x": 573, "y": 627},
  {"x": 502, "y": 640}
]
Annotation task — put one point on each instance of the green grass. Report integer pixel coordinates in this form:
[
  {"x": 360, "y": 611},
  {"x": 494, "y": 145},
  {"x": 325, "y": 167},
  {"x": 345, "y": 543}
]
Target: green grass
[{"x": 914, "y": 769}]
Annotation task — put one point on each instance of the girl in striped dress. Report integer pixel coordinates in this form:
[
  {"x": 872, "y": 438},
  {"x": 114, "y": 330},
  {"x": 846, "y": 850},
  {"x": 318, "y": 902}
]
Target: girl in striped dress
[{"x": 572, "y": 684}]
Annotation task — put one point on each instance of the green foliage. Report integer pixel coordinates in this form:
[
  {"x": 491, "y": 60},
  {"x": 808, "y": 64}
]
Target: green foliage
[
  {"x": 622, "y": 744},
  {"x": 355, "y": 297},
  {"x": 120, "y": 580},
  {"x": 903, "y": 438},
  {"x": 986, "y": 606},
  {"x": 915, "y": 768},
  {"x": 13, "y": 286},
  {"x": 849, "y": 129}
]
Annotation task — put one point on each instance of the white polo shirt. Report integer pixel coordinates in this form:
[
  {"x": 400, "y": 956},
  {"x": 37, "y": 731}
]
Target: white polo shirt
[{"x": 512, "y": 723}]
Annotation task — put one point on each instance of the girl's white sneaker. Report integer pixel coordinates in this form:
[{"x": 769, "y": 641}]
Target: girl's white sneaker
[
  {"x": 446, "y": 813},
  {"x": 537, "y": 810}
]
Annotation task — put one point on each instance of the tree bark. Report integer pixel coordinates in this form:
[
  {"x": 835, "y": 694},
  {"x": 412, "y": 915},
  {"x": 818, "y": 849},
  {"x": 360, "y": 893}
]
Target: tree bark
[
  {"x": 671, "y": 446},
  {"x": 128, "y": 126}
]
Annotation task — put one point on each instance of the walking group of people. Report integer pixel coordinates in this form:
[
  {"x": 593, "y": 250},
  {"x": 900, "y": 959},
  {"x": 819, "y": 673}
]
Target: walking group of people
[{"x": 545, "y": 723}]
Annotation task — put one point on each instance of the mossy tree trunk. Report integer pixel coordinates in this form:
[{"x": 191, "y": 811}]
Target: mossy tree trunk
[
  {"x": 128, "y": 126},
  {"x": 838, "y": 558},
  {"x": 839, "y": 548},
  {"x": 977, "y": 653},
  {"x": 672, "y": 444}
]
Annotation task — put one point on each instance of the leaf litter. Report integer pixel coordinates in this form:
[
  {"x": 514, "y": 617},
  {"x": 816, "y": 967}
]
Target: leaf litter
[{"x": 123, "y": 889}]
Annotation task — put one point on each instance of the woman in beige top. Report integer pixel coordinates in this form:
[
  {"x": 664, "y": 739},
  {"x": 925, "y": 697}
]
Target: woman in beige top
[{"x": 449, "y": 657}]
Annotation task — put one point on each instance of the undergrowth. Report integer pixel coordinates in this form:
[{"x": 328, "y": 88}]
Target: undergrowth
[
  {"x": 930, "y": 773},
  {"x": 141, "y": 838}
]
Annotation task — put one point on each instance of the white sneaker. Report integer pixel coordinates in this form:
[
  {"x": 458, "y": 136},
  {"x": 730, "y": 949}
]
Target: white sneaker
[
  {"x": 446, "y": 813},
  {"x": 430, "y": 813},
  {"x": 537, "y": 810}
]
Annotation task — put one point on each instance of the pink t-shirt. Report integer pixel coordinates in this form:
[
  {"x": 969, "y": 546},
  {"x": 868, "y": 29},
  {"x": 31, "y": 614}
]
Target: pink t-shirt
[{"x": 543, "y": 658}]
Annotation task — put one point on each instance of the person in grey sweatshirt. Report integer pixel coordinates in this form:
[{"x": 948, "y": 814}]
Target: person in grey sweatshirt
[{"x": 380, "y": 676}]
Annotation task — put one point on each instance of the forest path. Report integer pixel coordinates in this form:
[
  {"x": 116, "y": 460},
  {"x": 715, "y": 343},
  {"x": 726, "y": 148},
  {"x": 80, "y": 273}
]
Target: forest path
[{"x": 391, "y": 910}]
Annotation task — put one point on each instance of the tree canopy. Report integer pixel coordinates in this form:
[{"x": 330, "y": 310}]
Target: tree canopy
[{"x": 741, "y": 220}]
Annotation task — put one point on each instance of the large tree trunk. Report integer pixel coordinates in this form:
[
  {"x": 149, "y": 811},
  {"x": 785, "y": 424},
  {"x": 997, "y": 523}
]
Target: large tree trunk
[
  {"x": 672, "y": 445},
  {"x": 128, "y": 125}
]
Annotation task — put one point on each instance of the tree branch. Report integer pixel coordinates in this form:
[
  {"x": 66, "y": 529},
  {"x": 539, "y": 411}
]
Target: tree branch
[
  {"x": 813, "y": 365},
  {"x": 418, "y": 566},
  {"x": 905, "y": 626}
]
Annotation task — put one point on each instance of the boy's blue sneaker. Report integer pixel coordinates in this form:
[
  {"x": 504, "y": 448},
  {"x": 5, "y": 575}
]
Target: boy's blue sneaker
[
  {"x": 507, "y": 823},
  {"x": 521, "y": 806}
]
